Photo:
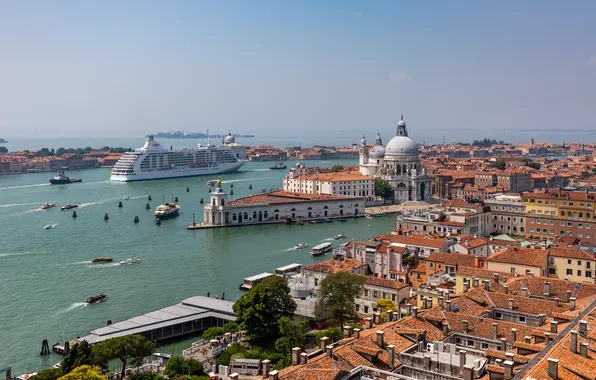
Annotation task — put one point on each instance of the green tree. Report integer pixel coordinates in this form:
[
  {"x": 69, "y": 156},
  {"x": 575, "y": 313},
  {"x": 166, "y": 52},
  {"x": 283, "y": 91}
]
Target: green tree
[
  {"x": 179, "y": 366},
  {"x": 60, "y": 151},
  {"x": 383, "y": 188},
  {"x": 129, "y": 349},
  {"x": 336, "y": 298},
  {"x": 231, "y": 327},
  {"x": 79, "y": 354},
  {"x": 84, "y": 372},
  {"x": 212, "y": 333},
  {"x": 79, "y": 151},
  {"x": 260, "y": 310},
  {"x": 48, "y": 374},
  {"x": 385, "y": 304},
  {"x": 337, "y": 168},
  {"x": 499, "y": 164},
  {"x": 88, "y": 149},
  {"x": 3, "y": 149},
  {"x": 292, "y": 334}
]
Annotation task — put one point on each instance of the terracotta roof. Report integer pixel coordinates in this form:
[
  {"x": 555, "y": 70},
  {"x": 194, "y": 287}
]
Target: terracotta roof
[
  {"x": 520, "y": 256},
  {"x": 482, "y": 273},
  {"x": 452, "y": 259},
  {"x": 420, "y": 241},
  {"x": 572, "y": 253},
  {"x": 331, "y": 266},
  {"x": 385, "y": 283}
]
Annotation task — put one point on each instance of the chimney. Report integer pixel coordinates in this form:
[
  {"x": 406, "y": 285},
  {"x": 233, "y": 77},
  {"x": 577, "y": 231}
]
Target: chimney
[
  {"x": 347, "y": 332},
  {"x": 429, "y": 303},
  {"x": 527, "y": 339},
  {"x": 296, "y": 355},
  {"x": 397, "y": 314},
  {"x": 356, "y": 333},
  {"x": 475, "y": 282},
  {"x": 495, "y": 330},
  {"x": 568, "y": 294},
  {"x": 503, "y": 344},
  {"x": 465, "y": 323},
  {"x": 462, "y": 358},
  {"x": 510, "y": 356},
  {"x": 572, "y": 303},
  {"x": 486, "y": 285},
  {"x": 513, "y": 336},
  {"x": 391, "y": 352},
  {"x": 380, "y": 338},
  {"x": 508, "y": 366},
  {"x": 234, "y": 376},
  {"x": 330, "y": 351},
  {"x": 415, "y": 312},
  {"x": 448, "y": 303},
  {"x": 409, "y": 308},
  {"x": 442, "y": 302},
  {"x": 583, "y": 327},
  {"x": 274, "y": 375},
  {"x": 445, "y": 328},
  {"x": 303, "y": 358},
  {"x": 468, "y": 372},
  {"x": 583, "y": 349},
  {"x": 266, "y": 367},
  {"x": 553, "y": 368},
  {"x": 389, "y": 315},
  {"x": 376, "y": 319},
  {"x": 496, "y": 277},
  {"x": 547, "y": 288},
  {"x": 510, "y": 303},
  {"x": 324, "y": 341},
  {"x": 466, "y": 286},
  {"x": 369, "y": 322},
  {"x": 427, "y": 362},
  {"x": 531, "y": 273},
  {"x": 553, "y": 326},
  {"x": 524, "y": 292},
  {"x": 573, "y": 344},
  {"x": 546, "y": 338},
  {"x": 505, "y": 289}
]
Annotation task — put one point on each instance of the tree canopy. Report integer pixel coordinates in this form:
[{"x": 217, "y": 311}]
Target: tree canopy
[
  {"x": 47, "y": 374},
  {"x": 383, "y": 188},
  {"x": 385, "y": 304},
  {"x": 336, "y": 297},
  {"x": 292, "y": 334},
  {"x": 84, "y": 372},
  {"x": 337, "y": 168},
  {"x": 79, "y": 354},
  {"x": 129, "y": 349},
  {"x": 259, "y": 311},
  {"x": 179, "y": 366},
  {"x": 499, "y": 164},
  {"x": 486, "y": 143}
]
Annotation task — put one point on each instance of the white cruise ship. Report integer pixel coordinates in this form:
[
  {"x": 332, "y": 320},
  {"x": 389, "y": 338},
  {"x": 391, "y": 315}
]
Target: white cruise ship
[{"x": 153, "y": 161}]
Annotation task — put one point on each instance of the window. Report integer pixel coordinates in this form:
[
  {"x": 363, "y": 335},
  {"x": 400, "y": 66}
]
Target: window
[
  {"x": 522, "y": 319},
  {"x": 569, "y": 224},
  {"x": 375, "y": 294},
  {"x": 579, "y": 272},
  {"x": 512, "y": 269},
  {"x": 498, "y": 315},
  {"x": 470, "y": 343},
  {"x": 365, "y": 309},
  {"x": 569, "y": 261},
  {"x": 588, "y": 264},
  {"x": 485, "y": 346},
  {"x": 569, "y": 272},
  {"x": 587, "y": 224},
  {"x": 317, "y": 282},
  {"x": 562, "y": 224},
  {"x": 366, "y": 292},
  {"x": 580, "y": 225},
  {"x": 551, "y": 271},
  {"x": 579, "y": 262},
  {"x": 531, "y": 221},
  {"x": 457, "y": 340},
  {"x": 589, "y": 273}
]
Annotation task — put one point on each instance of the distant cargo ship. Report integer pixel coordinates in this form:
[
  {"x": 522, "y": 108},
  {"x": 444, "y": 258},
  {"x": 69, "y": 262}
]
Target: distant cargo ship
[
  {"x": 193, "y": 135},
  {"x": 153, "y": 161}
]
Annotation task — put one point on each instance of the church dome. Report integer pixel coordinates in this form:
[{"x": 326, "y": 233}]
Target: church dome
[
  {"x": 377, "y": 151},
  {"x": 401, "y": 145},
  {"x": 229, "y": 139}
]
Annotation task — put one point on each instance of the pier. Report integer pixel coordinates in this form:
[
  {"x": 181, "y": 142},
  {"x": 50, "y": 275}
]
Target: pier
[{"x": 192, "y": 315}]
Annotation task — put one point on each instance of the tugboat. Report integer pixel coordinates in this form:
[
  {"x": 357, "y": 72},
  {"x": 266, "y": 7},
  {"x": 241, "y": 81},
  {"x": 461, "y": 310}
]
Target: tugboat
[
  {"x": 102, "y": 260},
  {"x": 47, "y": 206},
  {"x": 278, "y": 166},
  {"x": 61, "y": 179},
  {"x": 68, "y": 207},
  {"x": 166, "y": 210},
  {"x": 96, "y": 298}
]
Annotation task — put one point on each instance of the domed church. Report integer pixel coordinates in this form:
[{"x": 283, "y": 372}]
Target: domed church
[{"x": 399, "y": 164}]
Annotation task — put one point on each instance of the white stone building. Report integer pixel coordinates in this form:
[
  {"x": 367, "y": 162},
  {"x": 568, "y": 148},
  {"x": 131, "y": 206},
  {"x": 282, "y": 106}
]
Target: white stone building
[
  {"x": 347, "y": 182},
  {"x": 399, "y": 164},
  {"x": 278, "y": 206}
]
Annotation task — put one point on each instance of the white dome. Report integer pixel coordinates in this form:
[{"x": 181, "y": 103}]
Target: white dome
[
  {"x": 229, "y": 139},
  {"x": 401, "y": 145},
  {"x": 377, "y": 151}
]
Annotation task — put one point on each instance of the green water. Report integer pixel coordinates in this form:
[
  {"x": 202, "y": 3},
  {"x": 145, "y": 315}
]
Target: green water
[{"x": 47, "y": 274}]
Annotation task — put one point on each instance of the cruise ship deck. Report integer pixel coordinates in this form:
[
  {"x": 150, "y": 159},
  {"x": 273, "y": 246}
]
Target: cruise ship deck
[{"x": 191, "y": 315}]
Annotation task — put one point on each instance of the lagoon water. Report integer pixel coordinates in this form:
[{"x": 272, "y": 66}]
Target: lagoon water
[{"x": 47, "y": 274}]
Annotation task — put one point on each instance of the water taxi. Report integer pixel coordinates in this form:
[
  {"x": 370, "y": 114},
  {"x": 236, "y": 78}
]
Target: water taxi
[
  {"x": 96, "y": 298},
  {"x": 339, "y": 236},
  {"x": 133, "y": 260},
  {"x": 102, "y": 260},
  {"x": 300, "y": 246},
  {"x": 321, "y": 249},
  {"x": 278, "y": 166},
  {"x": 47, "y": 206},
  {"x": 47, "y": 226}
]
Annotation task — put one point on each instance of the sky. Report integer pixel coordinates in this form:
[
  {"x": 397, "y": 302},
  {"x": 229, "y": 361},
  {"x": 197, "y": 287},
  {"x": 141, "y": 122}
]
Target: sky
[{"x": 128, "y": 68}]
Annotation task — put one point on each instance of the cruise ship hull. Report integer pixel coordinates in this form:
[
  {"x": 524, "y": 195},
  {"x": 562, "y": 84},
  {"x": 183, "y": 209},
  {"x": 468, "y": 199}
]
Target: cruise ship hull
[{"x": 225, "y": 167}]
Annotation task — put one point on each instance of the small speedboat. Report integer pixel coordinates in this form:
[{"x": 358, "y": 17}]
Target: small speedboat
[
  {"x": 102, "y": 260},
  {"x": 339, "y": 236},
  {"x": 369, "y": 216},
  {"x": 47, "y": 226},
  {"x": 133, "y": 260},
  {"x": 300, "y": 245},
  {"x": 68, "y": 207},
  {"x": 212, "y": 182},
  {"x": 47, "y": 206},
  {"x": 96, "y": 298},
  {"x": 340, "y": 219},
  {"x": 125, "y": 198}
]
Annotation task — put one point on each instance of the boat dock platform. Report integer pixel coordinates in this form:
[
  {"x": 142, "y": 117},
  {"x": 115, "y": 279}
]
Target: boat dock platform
[{"x": 189, "y": 316}]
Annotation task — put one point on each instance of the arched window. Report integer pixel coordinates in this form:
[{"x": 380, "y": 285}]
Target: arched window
[
  {"x": 276, "y": 210},
  {"x": 234, "y": 216},
  {"x": 223, "y": 203},
  {"x": 310, "y": 208},
  {"x": 265, "y": 214},
  {"x": 293, "y": 209},
  {"x": 404, "y": 170},
  {"x": 341, "y": 206},
  {"x": 245, "y": 216},
  {"x": 398, "y": 170},
  {"x": 325, "y": 207},
  {"x": 254, "y": 214}
]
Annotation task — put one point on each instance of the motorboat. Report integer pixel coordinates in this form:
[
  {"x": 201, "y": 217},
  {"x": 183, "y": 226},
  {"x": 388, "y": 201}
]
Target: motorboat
[
  {"x": 369, "y": 216},
  {"x": 47, "y": 226},
  {"x": 339, "y": 236},
  {"x": 96, "y": 298},
  {"x": 68, "y": 207},
  {"x": 321, "y": 249},
  {"x": 47, "y": 206},
  {"x": 125, "y": 198},
  {"x": 340, "y": 219},
  {"x": 133, "y": 260},
  {"x": 61, "y": 179},
  {"x": 278, "y": 166},
  {"x": 300, "y": 245},
  {"x": 102, "y": 260}
]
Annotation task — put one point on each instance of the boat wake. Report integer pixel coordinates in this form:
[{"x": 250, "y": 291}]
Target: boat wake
[
  {"x": 241, "y": 180},
  {"x": 76, "y": 305},
  {"x": 100, "y": 266},
  {"x": 24, "y": 186},
  {"x": 64, "y": 265},
  {"x": 258, "y": 170},
  {"x": 328, "y": 239},
  {"x": 8, "y": 254},
  {"x": 19, "y": 204},
  {"x": 289, "y": 249}
]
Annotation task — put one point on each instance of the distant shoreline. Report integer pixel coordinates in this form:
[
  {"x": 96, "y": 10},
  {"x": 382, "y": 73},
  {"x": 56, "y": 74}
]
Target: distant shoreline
[{"x": 192, "y": 135}]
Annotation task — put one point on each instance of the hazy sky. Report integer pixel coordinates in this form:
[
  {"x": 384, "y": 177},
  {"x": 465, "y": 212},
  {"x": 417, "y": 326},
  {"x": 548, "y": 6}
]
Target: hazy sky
[{"x": 105, "y": 68}]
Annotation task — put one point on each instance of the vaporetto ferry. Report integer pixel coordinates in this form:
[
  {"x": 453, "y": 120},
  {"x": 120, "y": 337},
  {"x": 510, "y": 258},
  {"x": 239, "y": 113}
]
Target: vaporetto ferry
[{"x": 153, "y": 161}]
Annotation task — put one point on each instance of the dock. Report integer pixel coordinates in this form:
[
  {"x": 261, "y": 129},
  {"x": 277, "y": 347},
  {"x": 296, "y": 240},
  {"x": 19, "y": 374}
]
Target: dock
[{"x": 192, "y": 315}]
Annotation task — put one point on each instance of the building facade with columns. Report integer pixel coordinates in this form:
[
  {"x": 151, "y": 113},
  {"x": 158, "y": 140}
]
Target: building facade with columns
[{"x": 398, "y": 163}]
